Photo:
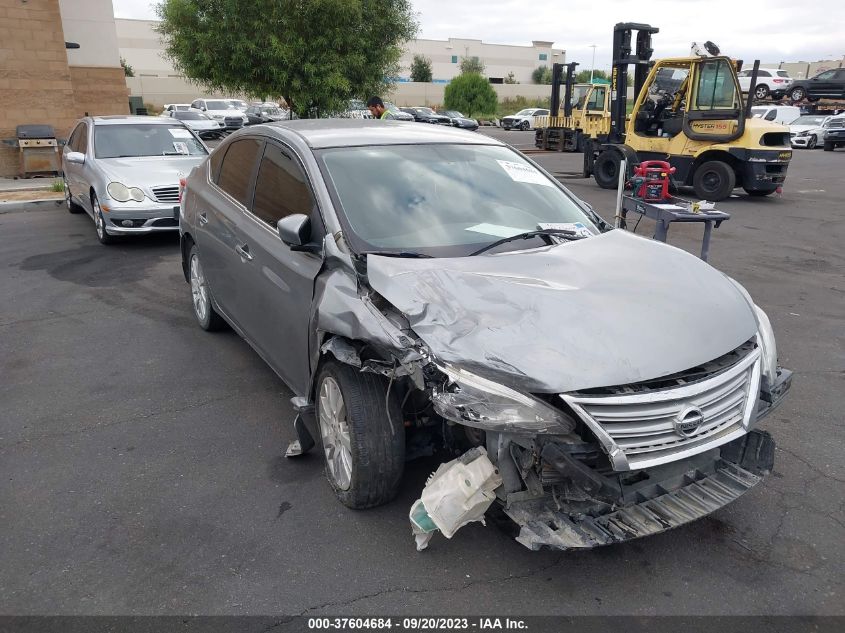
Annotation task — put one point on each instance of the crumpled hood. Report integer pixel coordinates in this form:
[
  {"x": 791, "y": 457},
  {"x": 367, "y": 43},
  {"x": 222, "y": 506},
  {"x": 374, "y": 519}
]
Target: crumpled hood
[{"x": 607, "y": 310}]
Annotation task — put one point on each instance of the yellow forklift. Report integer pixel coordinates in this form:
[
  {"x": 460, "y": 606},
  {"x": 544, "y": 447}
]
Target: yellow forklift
[{"x": 689, "y": 112}]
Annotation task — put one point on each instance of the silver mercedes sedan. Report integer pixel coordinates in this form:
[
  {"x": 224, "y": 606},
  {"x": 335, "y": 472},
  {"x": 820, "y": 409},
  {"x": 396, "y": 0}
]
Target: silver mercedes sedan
[
  {"x": 422, "y": 289},
  {"x": 125, "y": 171}
]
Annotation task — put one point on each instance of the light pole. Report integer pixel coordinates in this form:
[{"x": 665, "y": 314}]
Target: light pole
[{"x": 593, "y": 64}]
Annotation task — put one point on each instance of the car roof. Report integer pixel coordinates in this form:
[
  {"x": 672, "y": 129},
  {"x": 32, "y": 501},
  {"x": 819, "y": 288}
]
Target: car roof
[
  {"x": 119, "y": 119},
  {"x": 322, "y": 133}
]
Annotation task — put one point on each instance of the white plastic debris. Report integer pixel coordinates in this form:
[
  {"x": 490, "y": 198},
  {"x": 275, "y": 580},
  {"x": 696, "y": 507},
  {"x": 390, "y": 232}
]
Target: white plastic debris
[{"x": 457, "y": 493}]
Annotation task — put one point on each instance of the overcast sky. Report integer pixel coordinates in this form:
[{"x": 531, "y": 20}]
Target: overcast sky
[{"x": 769, "y": 30}]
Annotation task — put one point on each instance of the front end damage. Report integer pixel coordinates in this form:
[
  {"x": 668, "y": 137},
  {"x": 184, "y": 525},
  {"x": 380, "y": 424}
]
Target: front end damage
[{"x": 573, "y": 468}]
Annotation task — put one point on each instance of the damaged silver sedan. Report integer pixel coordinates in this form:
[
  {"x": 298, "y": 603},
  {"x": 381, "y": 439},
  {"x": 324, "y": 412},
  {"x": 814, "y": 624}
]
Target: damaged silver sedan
[{"x": 427, "y": 289}]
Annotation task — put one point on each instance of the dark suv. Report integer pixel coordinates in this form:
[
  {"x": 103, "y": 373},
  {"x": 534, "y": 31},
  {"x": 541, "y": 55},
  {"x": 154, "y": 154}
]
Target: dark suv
[{"x": 829, "y": 84}]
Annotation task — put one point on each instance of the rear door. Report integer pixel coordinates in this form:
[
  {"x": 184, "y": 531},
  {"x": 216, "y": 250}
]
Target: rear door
[
  {"x": 220, "y": 209},
  {"x": 277, "y": 283},
  {"x": 72, "y": 171}
]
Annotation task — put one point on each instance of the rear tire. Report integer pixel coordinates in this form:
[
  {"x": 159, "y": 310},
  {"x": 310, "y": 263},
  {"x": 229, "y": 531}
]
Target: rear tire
[
  {"x": 714, "y": 180},
  {"x": 761, "y": 91},
  {"x": 363, "y": 446},
  {"x": 72, "y": 207},
  {"x": 606, "y": 169},
  {"x": 797, "y": 94}
]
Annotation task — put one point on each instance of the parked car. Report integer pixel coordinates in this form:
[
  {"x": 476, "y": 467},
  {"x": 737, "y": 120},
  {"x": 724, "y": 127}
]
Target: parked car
[
  {"x": 199, "y": 122},
  {"x": 169, "y": 107},
  {"x": 396, "y": 113},
  {"x": 829, "y": 84},
  {"x": 124, "y": 172},
  {"x": 776, "y": 113},
  {"x": 221, "y": 110},
  {"x": 238, "y": 104},
  {"x": 806, "y": 131},
  {"x": 834, "y": 133},
  {"x": 771, "y": 82},
  {"x": 524, "y": 119},
  {"x": 356, "y": 109},
  {"x": 265, "y": 113},
  {"x": 459, "y": 120},
  {"x": 422, "y": 114},
  {"x": 435, "y": 289}
]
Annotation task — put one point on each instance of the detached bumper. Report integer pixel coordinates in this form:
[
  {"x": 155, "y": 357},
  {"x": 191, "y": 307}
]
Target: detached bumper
[{"x": 740, "y": 466}]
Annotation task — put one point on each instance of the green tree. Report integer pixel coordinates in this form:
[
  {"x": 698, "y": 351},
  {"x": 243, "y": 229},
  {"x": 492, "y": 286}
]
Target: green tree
[
  {"x": 421, "y": 69},
  {"x": 128, "y": 71},
  {"x": 471, "y": 65},
  {"x": 471, "y": 94},
  {"x": 542, "y": 75},
  {"x": 583, "y": 76},
  {"x": 511, "y": 79},
  {"x": 317, "y": 54}
]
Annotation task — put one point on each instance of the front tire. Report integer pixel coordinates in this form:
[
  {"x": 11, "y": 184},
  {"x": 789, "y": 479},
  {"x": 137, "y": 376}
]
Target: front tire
[
  {"x": 606, "y": 169},
  {"x": 525, "y": 126},
  {"x": 828, "y": 146},
  {"x": 714, "y": 180},
  {"x": 362, "y": 435},
  {"x": 811, "y": 144},
  {"x": 761, "y": 91},
  {"x": 100, "y": 223},
  {"x": 207, "y": 317}
]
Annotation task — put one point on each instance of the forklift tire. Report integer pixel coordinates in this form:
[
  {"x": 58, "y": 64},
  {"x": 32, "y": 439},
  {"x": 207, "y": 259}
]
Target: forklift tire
[
  {"x": 606, "y": 169},
  {"x": 714, "y": 180}
]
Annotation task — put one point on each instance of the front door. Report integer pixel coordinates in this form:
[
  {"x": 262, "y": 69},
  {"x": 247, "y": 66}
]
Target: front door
[
  {"x": 277, "y": 283},
  {"x": 825, "y": 85},
  {"x": 220, "y": 210}
]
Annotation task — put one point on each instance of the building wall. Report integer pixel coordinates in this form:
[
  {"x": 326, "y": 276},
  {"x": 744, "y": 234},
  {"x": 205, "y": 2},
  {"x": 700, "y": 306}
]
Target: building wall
[
  {"x": 41, "y": 81},
  {"x": 35, "y": 82}
]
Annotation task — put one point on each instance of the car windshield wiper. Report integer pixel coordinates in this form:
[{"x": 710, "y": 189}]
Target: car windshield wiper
[
  {"x": 564, "y": 233},
  {"x": 408, "y": 254}
]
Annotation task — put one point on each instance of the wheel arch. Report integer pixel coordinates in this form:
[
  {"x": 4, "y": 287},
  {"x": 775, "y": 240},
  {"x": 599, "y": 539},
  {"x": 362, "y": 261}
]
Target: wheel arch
[
  {"x": 715, "y": 154},
  {"x": 186, "y": 241}
]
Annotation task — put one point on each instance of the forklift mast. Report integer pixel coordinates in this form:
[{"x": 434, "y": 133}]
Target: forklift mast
[
  {"x": 622, "y": 58},
  {"x": 557, "y": 79}
]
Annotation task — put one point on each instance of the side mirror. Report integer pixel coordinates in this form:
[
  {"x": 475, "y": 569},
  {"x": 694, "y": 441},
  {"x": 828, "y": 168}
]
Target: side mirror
[
  {"x": 295, "y": 230},
  {"x": 77, "y": 158}
]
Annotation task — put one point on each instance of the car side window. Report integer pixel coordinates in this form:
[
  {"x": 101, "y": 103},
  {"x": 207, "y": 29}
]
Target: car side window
[
  {"x": 281, "y": 188},
  {"x": 82, "y": 142},
  {"x": 770, "y": 115},
  {"x": 763, "y": 73},
  {"x": 236, "y": 171},
  {"x": 827, "y": 75},
  {"x": 840, "y": 75},
  {"x": 73, "y": 140}
]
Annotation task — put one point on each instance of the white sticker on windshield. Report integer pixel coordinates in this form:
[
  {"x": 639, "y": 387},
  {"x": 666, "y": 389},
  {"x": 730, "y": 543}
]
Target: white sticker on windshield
[
  {"x": 495, "y": 229},
  {"x": 520, "y": 172},
  {"x": 178, "y": 132},
  {"x": 180, "y": 148},
  {"x": 579, "y": 228}
]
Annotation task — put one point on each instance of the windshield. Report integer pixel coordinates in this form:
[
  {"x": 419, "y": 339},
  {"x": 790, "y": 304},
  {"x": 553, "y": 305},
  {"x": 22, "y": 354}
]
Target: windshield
[
  {"x": 218, "y": 105},
  {"x": 716, "y": 87},
  {"x": 527, "y": 112},
  {"x": 237, "y": 103},
  {"x": 425, "y": 110},
  {"x": 445, "y": 200},
  {"x": 452, "y": 114},
  {"x": 808, "y": 120},
  {"x": 271, "y": 111},
  {"x": 190, "y": 116},
  {"x": 119, "y": 141}
]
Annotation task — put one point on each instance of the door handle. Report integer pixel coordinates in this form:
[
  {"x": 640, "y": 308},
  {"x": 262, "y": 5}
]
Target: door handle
[
  {"x": 243, "y": 251},
  {"x": 203, "y": 218}
]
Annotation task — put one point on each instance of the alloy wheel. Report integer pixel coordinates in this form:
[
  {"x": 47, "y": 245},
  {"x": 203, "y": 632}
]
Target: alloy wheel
[
  {"x": 99, "y": 223},
  {"x": 199, "y": 289},
  {"x": 334, "y": 430}
]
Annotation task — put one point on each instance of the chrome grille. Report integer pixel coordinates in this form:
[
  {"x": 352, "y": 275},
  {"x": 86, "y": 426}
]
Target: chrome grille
[
  {"x": 640, "y": 431},
  {"x": 166, "y": 194},
  {"x": 836, "y": 123}
]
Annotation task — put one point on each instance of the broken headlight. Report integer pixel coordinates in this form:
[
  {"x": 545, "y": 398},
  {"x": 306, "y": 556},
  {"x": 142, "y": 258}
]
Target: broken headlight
[
  {"x": 768, "y": 346},
  {"x": 469, "y": 399}
]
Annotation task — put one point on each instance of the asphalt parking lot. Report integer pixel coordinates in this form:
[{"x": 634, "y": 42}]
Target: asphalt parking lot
[{"x": 143, "y": 470}]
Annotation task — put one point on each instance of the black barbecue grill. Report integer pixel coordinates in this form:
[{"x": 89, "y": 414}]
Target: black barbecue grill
[{"x": 38, "y": 150}]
